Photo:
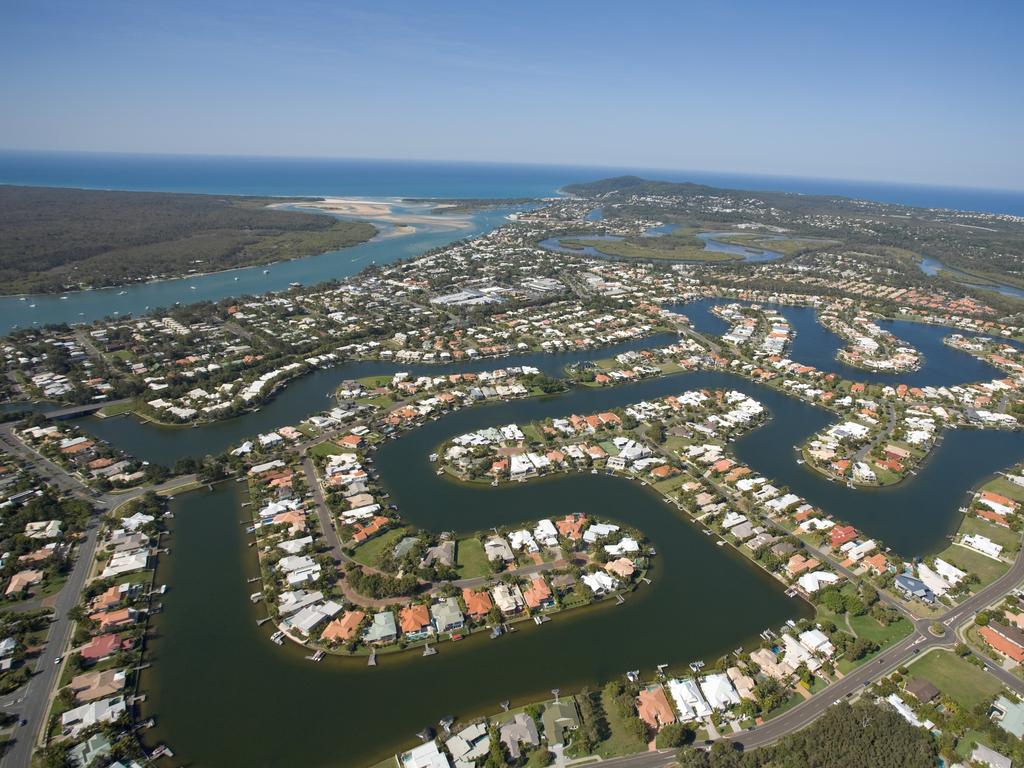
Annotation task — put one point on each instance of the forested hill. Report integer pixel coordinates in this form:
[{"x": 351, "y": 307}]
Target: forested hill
[{"x": 56, "y": 239}]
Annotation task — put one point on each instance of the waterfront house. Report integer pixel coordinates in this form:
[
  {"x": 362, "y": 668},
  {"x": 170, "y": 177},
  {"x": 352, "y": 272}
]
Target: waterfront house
[
  {"x": 770, "y": 664},
  {"x": 415, "y": 622},
  {"x": 470, "y": 744},
  {"x": 478, "y": 603},
  {"x": 446, "y": 615},
  {"x": 424, "y": 756},
  {"x": 623, "y": 567},
  {"x": 90, "y": 752},
  {"x": 538, "y": 594},
  {"x": 101, "y": 647},
  {"x": 90, "y": 686},
  {"x": 496, "y": 548},
  {"x": 509, "y": 599},
  {"x": 911, "y": 588},
  {"x": 520, "y": 730},
  {"x": 344, "y": 629},
  {"x": 559, "y": 717},
  {"x": 599, "y": 582},
  {"x": 103, "y": 711},
  {"x": 653, "y": 708},
  {"x": 382, "y": 629},
  {"x": 718, "y": 691}
]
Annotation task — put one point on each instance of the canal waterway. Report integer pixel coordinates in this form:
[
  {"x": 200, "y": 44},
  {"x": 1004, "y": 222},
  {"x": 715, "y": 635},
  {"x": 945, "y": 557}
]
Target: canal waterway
[
  {"x": 223, "y": 694},
  {"x": 705, "y": 600},
  {"x": 813, "y": 344}
]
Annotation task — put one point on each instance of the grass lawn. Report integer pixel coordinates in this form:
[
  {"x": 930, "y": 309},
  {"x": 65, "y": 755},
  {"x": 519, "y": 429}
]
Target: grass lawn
[
  {"x": 326, "y": 448},
  {"x": 372, "y": 382},
  {"x": 956, "y": 678},
  {"x": 1004, "y": 487},
  {"x": 116, "y": 410},
  {"x": 621, "y": 741},
  {"x": 987, "y": 569},
  {"x": 470, "y": 559},
  {"x": 533, "y": 434},
  {"x": 641, "y": 250},
  {"x": 368, "y": 553},
  {"x": 869, "y": 629},
  {"x": 1004, "y": 537}
]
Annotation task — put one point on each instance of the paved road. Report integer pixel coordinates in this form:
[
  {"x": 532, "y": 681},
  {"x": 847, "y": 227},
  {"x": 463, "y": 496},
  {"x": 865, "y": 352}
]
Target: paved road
[{"x": 34, "y": 698}]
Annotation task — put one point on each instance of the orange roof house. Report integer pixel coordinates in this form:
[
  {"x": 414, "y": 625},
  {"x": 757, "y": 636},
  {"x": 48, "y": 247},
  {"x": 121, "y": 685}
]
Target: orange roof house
[
  {"x": 478, "y": 604},
  {"x": 538, "y": 594},
  {"x": 877, "y": 562},
  {"x": 653, "y": 708},
  {"x": 414, "y": 619},
  {"x": 571, "y": 526},
  {"x": 344, "y": 629},
  {"x": 842, "y": 534},
  {"x": 622, "y": 567},
  {"x": 1009, "y": 641}
]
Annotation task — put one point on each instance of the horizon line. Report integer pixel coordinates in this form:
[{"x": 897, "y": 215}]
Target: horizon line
[{"x": 507, "y": 163}]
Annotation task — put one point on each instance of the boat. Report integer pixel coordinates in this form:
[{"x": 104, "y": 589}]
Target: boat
[
  {"x": 63, "y": 298},
  {"x": 266, "y": 271},
  {"x": 192, "y": 287},
  {"x": 496, "y": 631},
  {"x": 456, "y": 638},
  {"x": 22, "y": 299},
  {"x": 294, "y": 285},
  {"x": 316, "y": 656},
  {"x": 121, "y": 293},
  {"x": 236, "y": 279},
  {"x": 538, "y": 620},
  {"x": 278, "y": 637}
]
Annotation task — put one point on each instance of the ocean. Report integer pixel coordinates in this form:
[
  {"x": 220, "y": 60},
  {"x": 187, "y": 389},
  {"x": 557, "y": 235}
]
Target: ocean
[{"x": 395, "y": 178}]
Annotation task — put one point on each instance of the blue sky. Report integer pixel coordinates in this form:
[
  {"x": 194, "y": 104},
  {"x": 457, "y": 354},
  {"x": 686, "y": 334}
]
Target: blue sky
[{"x": 895, "y": 91}]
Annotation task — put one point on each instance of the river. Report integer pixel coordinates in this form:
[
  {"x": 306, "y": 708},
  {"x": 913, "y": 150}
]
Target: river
[{"x": 139, "y": 298}]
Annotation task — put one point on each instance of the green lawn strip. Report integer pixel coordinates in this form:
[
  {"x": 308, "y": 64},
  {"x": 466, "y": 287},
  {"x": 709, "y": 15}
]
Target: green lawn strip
[
  {"x": 326, "y": 448},
  {"x": 1004, "y": 537},
  {"x": 372, "y": 382},
  {"x": 956, "y": 678},
  {"x": 1004, "y": 487},
  {"x": 117, "y": 409},
  {"x": 868, "y": 628},
  {"x": 368, "y": 553},
  {"x": 987, "y": 569},
  {"x": 621, "y": 741},
  {"x": 471, "y": 561}
]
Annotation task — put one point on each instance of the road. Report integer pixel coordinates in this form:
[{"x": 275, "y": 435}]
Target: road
[
  {"x": 31, "y": 702},
  {"x": 34, "y": 698}
]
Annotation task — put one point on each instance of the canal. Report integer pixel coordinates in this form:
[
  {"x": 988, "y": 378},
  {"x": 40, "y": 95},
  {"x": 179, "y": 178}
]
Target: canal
[{"x": 264, "y": 705}]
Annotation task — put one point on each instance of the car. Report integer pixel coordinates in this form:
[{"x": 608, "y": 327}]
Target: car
[
  {"x": 58, "y": 660},
  {"x": 24, "y": 722}
]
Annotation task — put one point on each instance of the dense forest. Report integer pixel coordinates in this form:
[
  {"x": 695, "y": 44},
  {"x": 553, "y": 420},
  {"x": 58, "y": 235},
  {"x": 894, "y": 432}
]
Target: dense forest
[
  {"x": 56, "y": 239},
  {"x": 859, "y": 735}
]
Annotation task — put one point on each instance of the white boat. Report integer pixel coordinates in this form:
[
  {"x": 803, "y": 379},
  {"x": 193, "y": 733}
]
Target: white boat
[{"x": 63, "y": 298}]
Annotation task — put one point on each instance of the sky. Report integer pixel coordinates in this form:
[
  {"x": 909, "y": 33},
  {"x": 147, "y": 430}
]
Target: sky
[{"x": 916, "y": 92}]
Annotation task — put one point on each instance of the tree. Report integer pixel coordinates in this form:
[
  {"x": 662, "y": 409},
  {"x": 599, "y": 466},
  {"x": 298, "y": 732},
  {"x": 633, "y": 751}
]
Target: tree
[{"x": 674, "y": 735}]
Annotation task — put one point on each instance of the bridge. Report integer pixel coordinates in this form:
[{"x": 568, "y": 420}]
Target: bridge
[{"x": 81, "y": 410}]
